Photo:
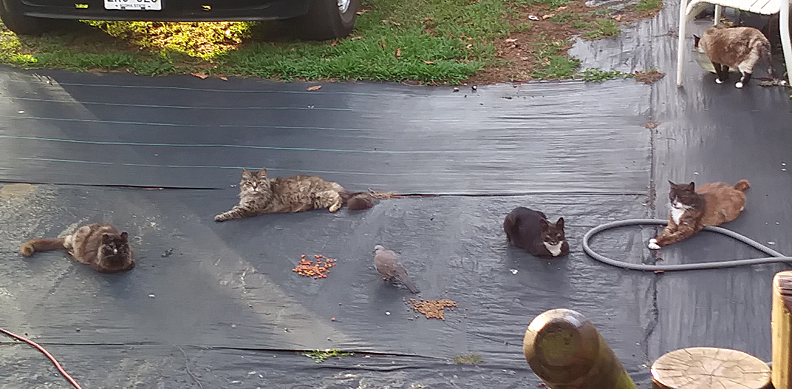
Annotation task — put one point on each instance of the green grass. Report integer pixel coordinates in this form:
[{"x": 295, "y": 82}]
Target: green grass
[
  {"x": 556, "y": 64},
  {"x": 429, "y": 41},
  {"x": 599, "y": 29},
  {"x": 320, "y": 356},
  {"x": 424, "y": 40},
  {"x": 649, "y": 5},
  {"x": 468, "y": 359},
  {"x": 599, "y": 75}
]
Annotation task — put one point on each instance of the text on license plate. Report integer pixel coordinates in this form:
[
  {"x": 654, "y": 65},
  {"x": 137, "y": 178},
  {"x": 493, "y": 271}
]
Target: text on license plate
[{"x": 134, "y": 5}]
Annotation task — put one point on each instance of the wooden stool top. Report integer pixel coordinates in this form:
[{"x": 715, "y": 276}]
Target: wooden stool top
[{"x": 710, "y": 367}]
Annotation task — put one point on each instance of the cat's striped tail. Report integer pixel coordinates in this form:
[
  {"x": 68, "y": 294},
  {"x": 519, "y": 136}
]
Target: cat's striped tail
[
  {"x": 742, "y": 185},
  {"x": 364, "y": 200},
  {"x": 28, "y": 248}
]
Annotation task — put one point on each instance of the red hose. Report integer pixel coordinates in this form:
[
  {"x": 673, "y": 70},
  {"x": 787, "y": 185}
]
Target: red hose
[{"x": 47, "y": 354}]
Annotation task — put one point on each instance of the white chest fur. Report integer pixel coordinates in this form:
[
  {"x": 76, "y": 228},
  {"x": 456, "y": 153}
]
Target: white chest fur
[
  {"x": 554, "y": 249},
  {"x": 677, "y": 211}
]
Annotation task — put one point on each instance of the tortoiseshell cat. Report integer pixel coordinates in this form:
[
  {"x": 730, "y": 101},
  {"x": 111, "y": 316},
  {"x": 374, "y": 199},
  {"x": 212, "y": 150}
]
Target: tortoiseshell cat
[
  {"x": 692, "y": 209},
  {"x": 530, "y": 231},
  {"x": 259, "y": 195},
  {"x": 98, "y": 245},
  {"x": 736, "y": 47}
]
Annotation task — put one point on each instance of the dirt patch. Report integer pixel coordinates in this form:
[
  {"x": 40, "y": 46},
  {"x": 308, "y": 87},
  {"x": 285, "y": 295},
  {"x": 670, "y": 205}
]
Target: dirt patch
[
  {"x": 649, "y": 77},
  {"x": 546, "y": 32}
]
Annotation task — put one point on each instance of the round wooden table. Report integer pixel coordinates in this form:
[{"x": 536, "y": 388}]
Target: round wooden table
[{"x": 709, "y": 367}]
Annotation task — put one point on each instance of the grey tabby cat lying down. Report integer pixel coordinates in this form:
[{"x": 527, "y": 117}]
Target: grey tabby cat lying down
[{"x": 258, "y": 195}]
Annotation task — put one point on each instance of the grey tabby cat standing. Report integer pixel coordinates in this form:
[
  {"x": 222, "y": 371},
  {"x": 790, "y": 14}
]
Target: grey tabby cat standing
[
  {"x": 98, "y": 245},
  {"x": 737, "y": 47},
  {"x": 258, "y": 195}
]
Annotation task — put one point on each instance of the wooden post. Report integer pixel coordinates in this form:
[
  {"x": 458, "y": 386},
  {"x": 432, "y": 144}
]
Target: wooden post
[
  {"x": 781, "y": 328},
  {"x": 566, "y": 351},
  {"x": 709, "y": 367}
]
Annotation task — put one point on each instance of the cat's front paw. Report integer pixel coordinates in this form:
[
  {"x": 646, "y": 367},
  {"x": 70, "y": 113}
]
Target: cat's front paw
[
  {"x": 334, "y": 207},
  {"x": 738, "y": 85},
  {"x": 221, "y": 218},
  {"x": 718, "y": 81},
  {"x": 653, "y": 244}
]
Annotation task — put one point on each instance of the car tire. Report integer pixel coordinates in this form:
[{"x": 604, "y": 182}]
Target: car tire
[
  {"x": 11, "y": 14},
  {"x": 326, "y": 19}
]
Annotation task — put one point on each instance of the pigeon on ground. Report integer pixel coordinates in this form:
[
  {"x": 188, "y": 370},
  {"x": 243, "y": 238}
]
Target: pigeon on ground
[{"x": 387, "y": 264}]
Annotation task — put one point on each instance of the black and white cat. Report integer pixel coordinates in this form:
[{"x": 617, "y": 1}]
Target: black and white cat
[{"x": 530, "y": 231}]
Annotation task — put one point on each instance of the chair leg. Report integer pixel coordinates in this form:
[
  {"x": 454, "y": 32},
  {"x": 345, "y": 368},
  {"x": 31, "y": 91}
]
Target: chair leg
[
  {"x": 783, "y": 20},
  {"x": 681, "y": 44},
  {"x": 717, "y": 17}
]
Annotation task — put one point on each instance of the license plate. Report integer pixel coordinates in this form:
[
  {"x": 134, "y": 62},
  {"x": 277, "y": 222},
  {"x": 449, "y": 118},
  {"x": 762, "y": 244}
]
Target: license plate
[{"x": 134, "y": 5}]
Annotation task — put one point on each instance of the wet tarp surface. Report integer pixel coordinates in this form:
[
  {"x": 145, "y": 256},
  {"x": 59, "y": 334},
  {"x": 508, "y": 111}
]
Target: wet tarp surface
[{"x": 218, "y": 302}]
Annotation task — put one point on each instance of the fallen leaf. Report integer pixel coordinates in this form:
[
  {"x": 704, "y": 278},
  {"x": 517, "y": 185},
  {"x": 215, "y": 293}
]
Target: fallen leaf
[
  {"x": 548, "y": 16},
  {"x": 200, "y": 75},
  {"x": 334, "y": 43},
  {"x": 382, "y": 44},
  {"x": 561, "y": 8},
  {"x": 651, "y": 125},
  {"x": 398, "y": 53},
  {"x": 396, "y": 24},
  {"x": 617, "y": 18},
  {"x": 314, "y": 87},
  {"x": 356, "y": 38},
  {"x": 432, "y": 63},
  {"x": 224, "y": 78},
  {"x": 384, "y": 22},
  {"x": 510, "y": 40}
]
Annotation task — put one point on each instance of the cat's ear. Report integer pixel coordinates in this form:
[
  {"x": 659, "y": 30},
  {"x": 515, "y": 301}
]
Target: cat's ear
[
  {"x": 543, "y": 225},
  {"x": 262, "y": 173},
  {"x": 124, "y": 236},
  {"x": 560, "y": 223},
  {"x": 696, "y": 40},
  {"x": 246, "y": 173},
  {"x": 672, "y": 183},
  {"x": 106, "y": 238},
  {"x": 691, "y": 186}
]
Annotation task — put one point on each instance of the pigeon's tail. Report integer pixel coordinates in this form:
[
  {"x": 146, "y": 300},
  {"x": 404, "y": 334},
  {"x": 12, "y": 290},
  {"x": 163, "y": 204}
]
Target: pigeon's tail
[{"x": 409, "y": 284}]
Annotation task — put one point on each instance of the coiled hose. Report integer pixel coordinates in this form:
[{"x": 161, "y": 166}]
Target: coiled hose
[{"x": 775, "y": 256}]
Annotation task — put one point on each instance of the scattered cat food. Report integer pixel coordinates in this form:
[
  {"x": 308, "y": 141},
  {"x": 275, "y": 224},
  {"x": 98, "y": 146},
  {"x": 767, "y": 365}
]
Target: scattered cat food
[
  {"x": 433, "y": 309},
  {"x": 316, "y": 269}
]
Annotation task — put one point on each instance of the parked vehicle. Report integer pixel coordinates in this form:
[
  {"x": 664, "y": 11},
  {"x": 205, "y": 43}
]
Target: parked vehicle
[{"x": 311, "y": 19}]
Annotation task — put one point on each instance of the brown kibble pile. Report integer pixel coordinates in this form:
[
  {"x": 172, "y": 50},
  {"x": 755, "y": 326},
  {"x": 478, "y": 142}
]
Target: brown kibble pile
[
  {"x": 432, "y": 309},
  {"x": 320, "y": 269}
]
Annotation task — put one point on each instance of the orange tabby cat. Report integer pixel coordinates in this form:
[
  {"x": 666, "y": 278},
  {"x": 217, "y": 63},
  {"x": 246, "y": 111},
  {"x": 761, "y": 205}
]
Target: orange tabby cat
[{"x": 692, "y": 209}]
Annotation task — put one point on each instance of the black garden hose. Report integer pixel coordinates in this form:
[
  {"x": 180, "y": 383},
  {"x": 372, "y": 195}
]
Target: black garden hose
[{"x": 775, "y": 256}]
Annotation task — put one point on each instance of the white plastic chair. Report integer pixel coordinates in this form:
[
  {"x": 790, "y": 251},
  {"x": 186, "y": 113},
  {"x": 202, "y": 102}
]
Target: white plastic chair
[{"x": 765, "y": 7}]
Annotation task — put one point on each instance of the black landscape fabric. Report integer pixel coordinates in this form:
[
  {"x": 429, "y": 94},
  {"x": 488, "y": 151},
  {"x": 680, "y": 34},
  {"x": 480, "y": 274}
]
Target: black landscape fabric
[{"x": 219, "y": 304}]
